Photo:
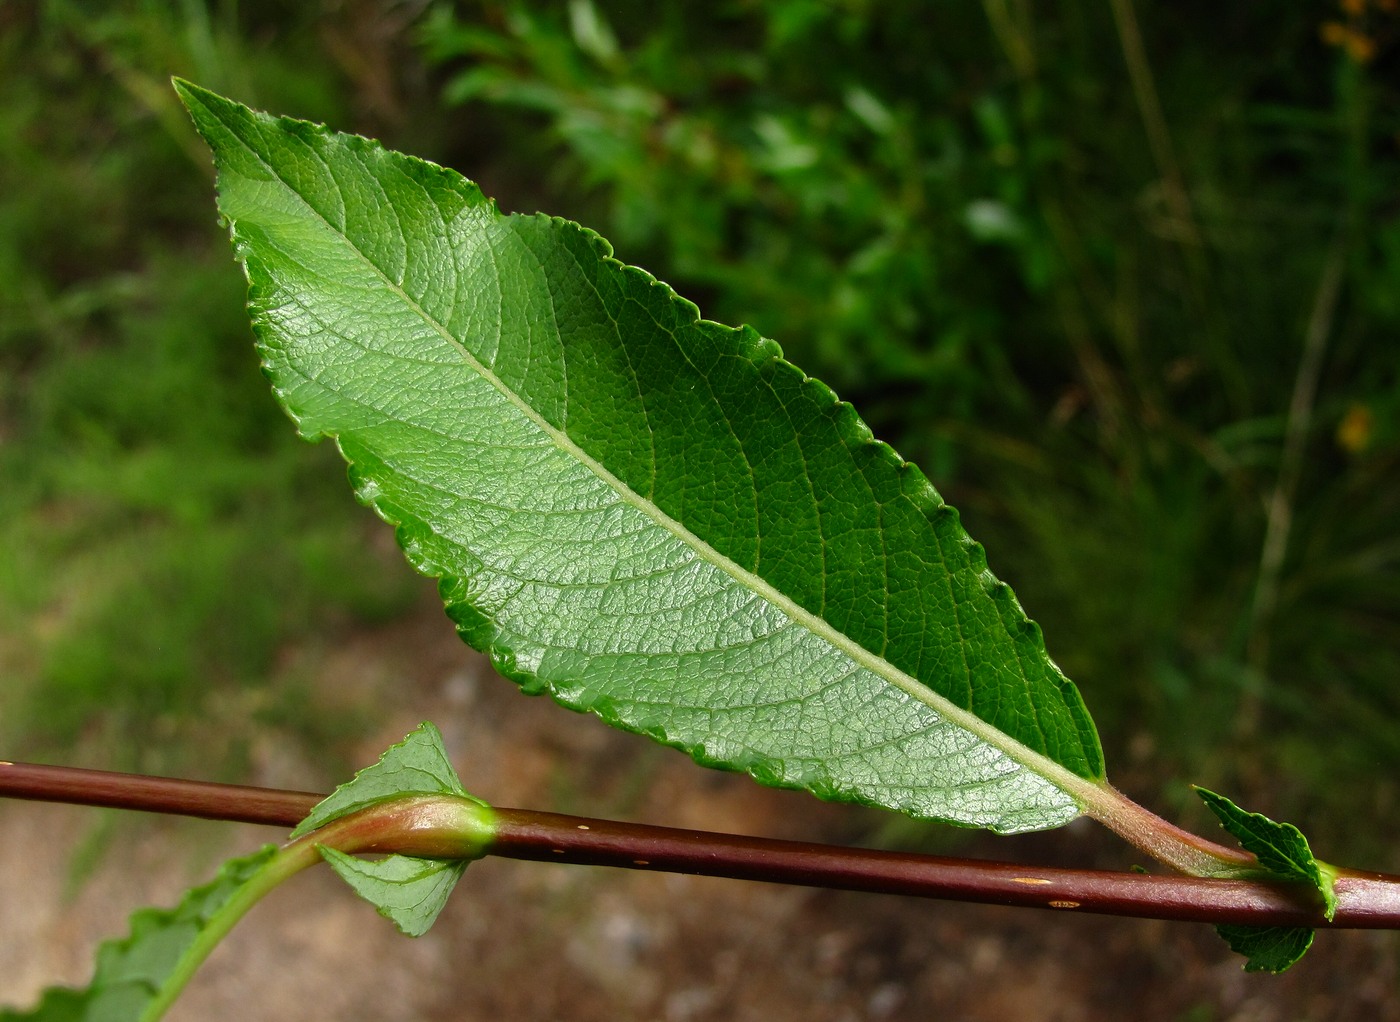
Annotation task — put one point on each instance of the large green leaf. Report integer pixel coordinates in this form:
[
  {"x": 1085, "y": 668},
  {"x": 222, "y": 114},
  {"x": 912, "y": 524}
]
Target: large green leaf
[{"x": 647, "y": 515}]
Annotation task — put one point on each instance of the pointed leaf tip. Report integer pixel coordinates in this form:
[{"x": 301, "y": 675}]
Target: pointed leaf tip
[
  {"x": 194, "y": 96},
  {"x": 418, "y": 765}
]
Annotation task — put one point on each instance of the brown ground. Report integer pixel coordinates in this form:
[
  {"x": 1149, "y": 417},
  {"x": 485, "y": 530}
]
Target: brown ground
[{"x": 522, "y": 941}]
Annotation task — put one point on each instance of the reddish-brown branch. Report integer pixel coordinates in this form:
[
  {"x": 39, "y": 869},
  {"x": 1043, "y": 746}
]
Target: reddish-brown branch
[
  {"x": 236, "y": 803},
  {"x": 1366, "y": 900}
]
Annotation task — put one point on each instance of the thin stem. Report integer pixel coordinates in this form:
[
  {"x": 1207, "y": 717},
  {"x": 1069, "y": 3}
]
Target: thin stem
[
  {"x": 1153, "y": 120},
  {"x": 442, "y": 828},
  {"x": 1013, "y": 33},
  {"x": 1166, "y": 842},
  {"x": 235, "y": 803},
  {"x": 1368, "y": 900},
  {"x": 1279, "y": 507}
]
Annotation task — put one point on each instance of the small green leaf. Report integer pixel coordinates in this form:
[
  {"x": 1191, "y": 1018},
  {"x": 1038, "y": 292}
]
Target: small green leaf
[
  {"x": 1281, "y": 848},
  {"x": 1284, "y": 855},
  {"x": 647, "y": 515},
  {"x": 418, "y": 765},
  {"x": 408, "y": 891},
  {"x": 1267, "y": 948},
  {"x": 137, "y": 975}
]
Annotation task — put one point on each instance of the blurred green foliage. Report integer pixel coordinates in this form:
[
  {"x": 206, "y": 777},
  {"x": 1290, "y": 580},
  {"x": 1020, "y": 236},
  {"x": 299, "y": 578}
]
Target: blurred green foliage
[
  {"x": 1124, "y": 279},
  {"x": 167, "y": 539}
]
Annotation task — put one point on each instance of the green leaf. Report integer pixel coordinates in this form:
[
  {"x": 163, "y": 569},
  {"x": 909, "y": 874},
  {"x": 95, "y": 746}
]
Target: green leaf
[
  {"x": 408, "y": 891},
  {"x": 1281, "y": 848},
  {"x": 418, "y": 765},
  {"x": 1284, "y": 855},
  {"x": 137, "y": 974},
  {"x": 646, "y": 515},
  {"x": 1268, "y": 948}
]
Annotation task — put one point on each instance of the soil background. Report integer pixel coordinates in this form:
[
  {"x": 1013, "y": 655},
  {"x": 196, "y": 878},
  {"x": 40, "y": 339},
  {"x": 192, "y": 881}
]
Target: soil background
[{"x": 526, "y": 941}]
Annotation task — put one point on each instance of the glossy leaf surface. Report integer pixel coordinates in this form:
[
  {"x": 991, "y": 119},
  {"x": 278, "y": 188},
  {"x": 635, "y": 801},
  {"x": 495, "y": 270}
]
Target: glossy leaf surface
[{"x": 646, "y": 515}]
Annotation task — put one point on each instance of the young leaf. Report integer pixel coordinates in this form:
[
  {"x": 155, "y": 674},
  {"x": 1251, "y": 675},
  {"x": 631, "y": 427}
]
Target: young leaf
[
  {"x": 137, "y": 975},
  {"x": 408, "y": 891},
  {"x": 418, "y": 765},
  {"x": 1267, "y": 948},
  {"x": 1281, "y": 848},
  {"x": 1284, "y": 854},
  {"x": 644, "y": 514}
]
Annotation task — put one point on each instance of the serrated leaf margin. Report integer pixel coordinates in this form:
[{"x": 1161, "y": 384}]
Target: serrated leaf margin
[{"x": 418, "y": 765}]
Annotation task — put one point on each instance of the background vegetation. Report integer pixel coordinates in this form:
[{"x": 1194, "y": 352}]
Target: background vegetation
[{"x": 1124, "y": 280}]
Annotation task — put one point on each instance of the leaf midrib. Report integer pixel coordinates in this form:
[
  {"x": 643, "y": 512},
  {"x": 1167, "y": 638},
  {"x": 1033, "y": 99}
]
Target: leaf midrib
[{"x": 1082, "y": 790}]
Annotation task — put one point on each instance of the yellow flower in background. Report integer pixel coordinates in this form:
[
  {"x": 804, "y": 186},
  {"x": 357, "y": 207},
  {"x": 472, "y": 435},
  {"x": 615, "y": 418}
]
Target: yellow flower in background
[
  {"x": 1359, "y": 46},
  {"x": 1357, "y": 428},
  {"x": 1356, "y": 34}
]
